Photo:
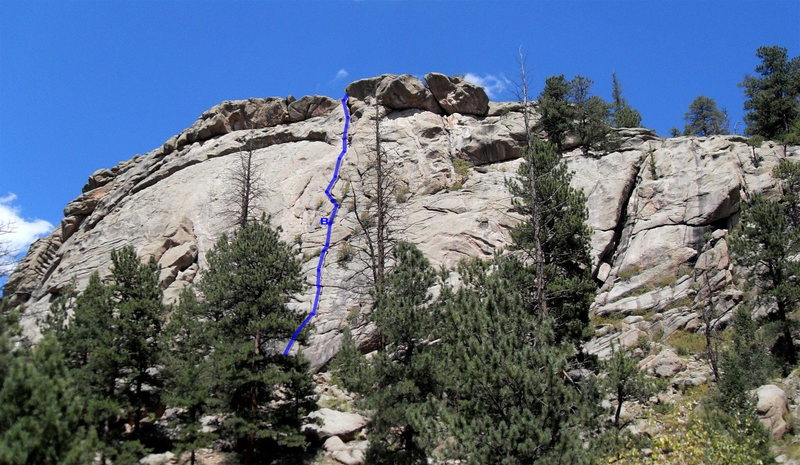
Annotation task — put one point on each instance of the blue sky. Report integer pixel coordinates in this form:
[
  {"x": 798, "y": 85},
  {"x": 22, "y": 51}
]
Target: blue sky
[{"x": 85, "y": 85}]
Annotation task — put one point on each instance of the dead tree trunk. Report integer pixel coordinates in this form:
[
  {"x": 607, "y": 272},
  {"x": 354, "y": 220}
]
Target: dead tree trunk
[
  {"x": 538, "y": 253},
  {"x": 374, "y": 204},
  {"x": 245, "y": 187}
]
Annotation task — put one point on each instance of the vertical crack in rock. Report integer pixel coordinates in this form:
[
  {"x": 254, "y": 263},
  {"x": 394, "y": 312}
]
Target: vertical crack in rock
[{"x": 610, "y": 256}]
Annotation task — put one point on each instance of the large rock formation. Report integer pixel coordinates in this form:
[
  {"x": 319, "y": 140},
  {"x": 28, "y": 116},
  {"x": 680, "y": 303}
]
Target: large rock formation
[{"x": 658, "y": 208}]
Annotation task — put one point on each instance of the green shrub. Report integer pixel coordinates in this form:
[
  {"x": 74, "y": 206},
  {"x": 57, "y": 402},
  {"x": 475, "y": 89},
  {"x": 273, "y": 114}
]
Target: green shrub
[
  {"x": 462, "y": 167},
  {"x": 697, "y": 439},
  {"x": 345, "y": 254}
]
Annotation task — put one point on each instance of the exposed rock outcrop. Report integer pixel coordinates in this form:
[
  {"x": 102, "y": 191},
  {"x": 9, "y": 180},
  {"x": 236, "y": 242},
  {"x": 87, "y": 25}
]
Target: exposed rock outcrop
[
  {"x": 658, "y": 208},
  {"x": 458, "y": 96},
  {"x": 773, "y": 409}
]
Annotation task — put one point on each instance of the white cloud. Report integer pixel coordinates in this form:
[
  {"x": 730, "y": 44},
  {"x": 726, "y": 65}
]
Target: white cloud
[
  {"x": 494, "y": 85},
  {"x": 341, "y": 74},
  {"x": 23, "y": 231}
]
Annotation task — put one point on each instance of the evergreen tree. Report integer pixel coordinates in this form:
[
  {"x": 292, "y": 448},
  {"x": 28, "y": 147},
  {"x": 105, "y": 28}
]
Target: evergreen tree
[
  {"x": 591, "y": 116},
  {"x": 188, "y": 344},
  {"x": 40, "y": 410},
  {"x": 755, "y": 142},
  {"x": 555, "y": 112},
  {"x": 773, "y": 99},
  {"x": 624, "y": 115},
  {"x": 250, "y": 278},
  {"x": 745, "y": 365},
  {"x": 558, "y": 282},
  {"x": 401, "y": 374},
  {"x": 352, "y": 367},
  {"x": 789, "y": 174},
  {"x": 704, "y": 118},
  {"x": 768, "y": 242},
  {"x": 136, "y": 297},
  {"x": 89, "y": 342},
  {"x": 674, "y": 132},
  {"x": 9, "y": 333},
  {"x": 625, "y": 381},
  {"x": 507, "y": 399}
]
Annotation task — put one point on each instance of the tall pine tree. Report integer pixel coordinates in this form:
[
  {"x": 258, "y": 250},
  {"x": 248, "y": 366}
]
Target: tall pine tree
[
  {"x": 556, "y": 115},
  {"x": 561, "y": 267},
  {"x": 250, "y": 278},
  {"x": 773, "y": 98},
  {"x": 507, "y": 399},
  {"x": 188, "y": 344},
  {"x": 136, "y": 298},
  {"x": 768, "y": 242},
  {"x": 401, "y": 375},
  {"x": 41, "y": 412},
  {"x": 704, "y": 118},
  {"x": 624, "y": 115}
]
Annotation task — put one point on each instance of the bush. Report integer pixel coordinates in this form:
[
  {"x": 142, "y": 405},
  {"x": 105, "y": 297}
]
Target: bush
[
  {"x": 345, "y": 254},
  {"x": 698, "y": 440},
  {"x": 462, "y": 167}
]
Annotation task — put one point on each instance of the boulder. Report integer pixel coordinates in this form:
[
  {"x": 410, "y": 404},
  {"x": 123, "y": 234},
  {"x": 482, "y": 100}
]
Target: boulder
[
  {"x": 334, "y": 443},
  {"x": 179, "y": 257},
  {"x": 773, "y": 409},
  {"x": 310, "y": 106},
  {"x": 158, "y": 459},
  {"x": 99, "y": 178},
  {"x": 398, "y": 92},
  {"x": 458, "y": 96},
  {"x": 349, "y": 456},
  {"x": 335, "y": 423},
  {"x": 664, "y": 365}
]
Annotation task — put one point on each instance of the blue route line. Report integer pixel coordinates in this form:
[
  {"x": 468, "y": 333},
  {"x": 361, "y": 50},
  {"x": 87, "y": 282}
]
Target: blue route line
[{"x": 330, "y": 225}]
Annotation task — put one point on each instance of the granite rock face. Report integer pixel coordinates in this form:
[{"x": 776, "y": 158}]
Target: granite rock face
[
  {"x": 458, "y": 96},
  {"x": 658, "y": 208}
]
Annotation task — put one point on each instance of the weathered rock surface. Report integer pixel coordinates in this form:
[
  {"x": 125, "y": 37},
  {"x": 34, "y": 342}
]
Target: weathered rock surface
[
  {"x": 773, "y": 409},
  {"x": 664, "y": 365},
  {"x": 458, "y": 96},
  {"x": 396, "y": 92},
  {"x": 658, "y": 208},
  {"x": 335, "y": 423}
]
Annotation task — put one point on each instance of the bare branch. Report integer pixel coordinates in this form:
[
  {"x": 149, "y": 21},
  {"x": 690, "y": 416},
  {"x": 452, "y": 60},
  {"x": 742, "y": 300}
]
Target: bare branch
[
  {"x": 7, "y": 254},
  {"x": 246, "y": 187}
]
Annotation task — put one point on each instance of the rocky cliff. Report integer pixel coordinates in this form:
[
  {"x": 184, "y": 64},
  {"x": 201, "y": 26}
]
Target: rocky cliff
[{"x": 659, "y": 208}]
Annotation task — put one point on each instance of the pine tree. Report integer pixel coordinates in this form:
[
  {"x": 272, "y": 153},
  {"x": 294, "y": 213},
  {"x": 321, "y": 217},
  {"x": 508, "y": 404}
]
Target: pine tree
[
  {"x": 250, "y": 278},
  {"x": 591, "y": 116},
  {"x": 40, "y": 410},
  {"x": 704, "y": 118},
  {"x": 136, "y": 296},
  {"x": 401, "y": 375},
  {"x": 556, "y": 115},
  {"x": 745, "y": 365},
  {"x": 768, "y": 242},
  {"x": 625, "y": 381},
  {"x": 188, "y": 344},
  {"x": 111, "y": 346},
  {"x": 624, "y": 115},
  {"x": 351, "y": 366},
  {"x": 755, "y": 142},
  {"x": 507, "y": 399},
  {"x": 773, "y": 99},
  {"x": 559, "y": 282},
  {"x": 9, "y": 333},
  {"x": 90, "y": 347}
]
